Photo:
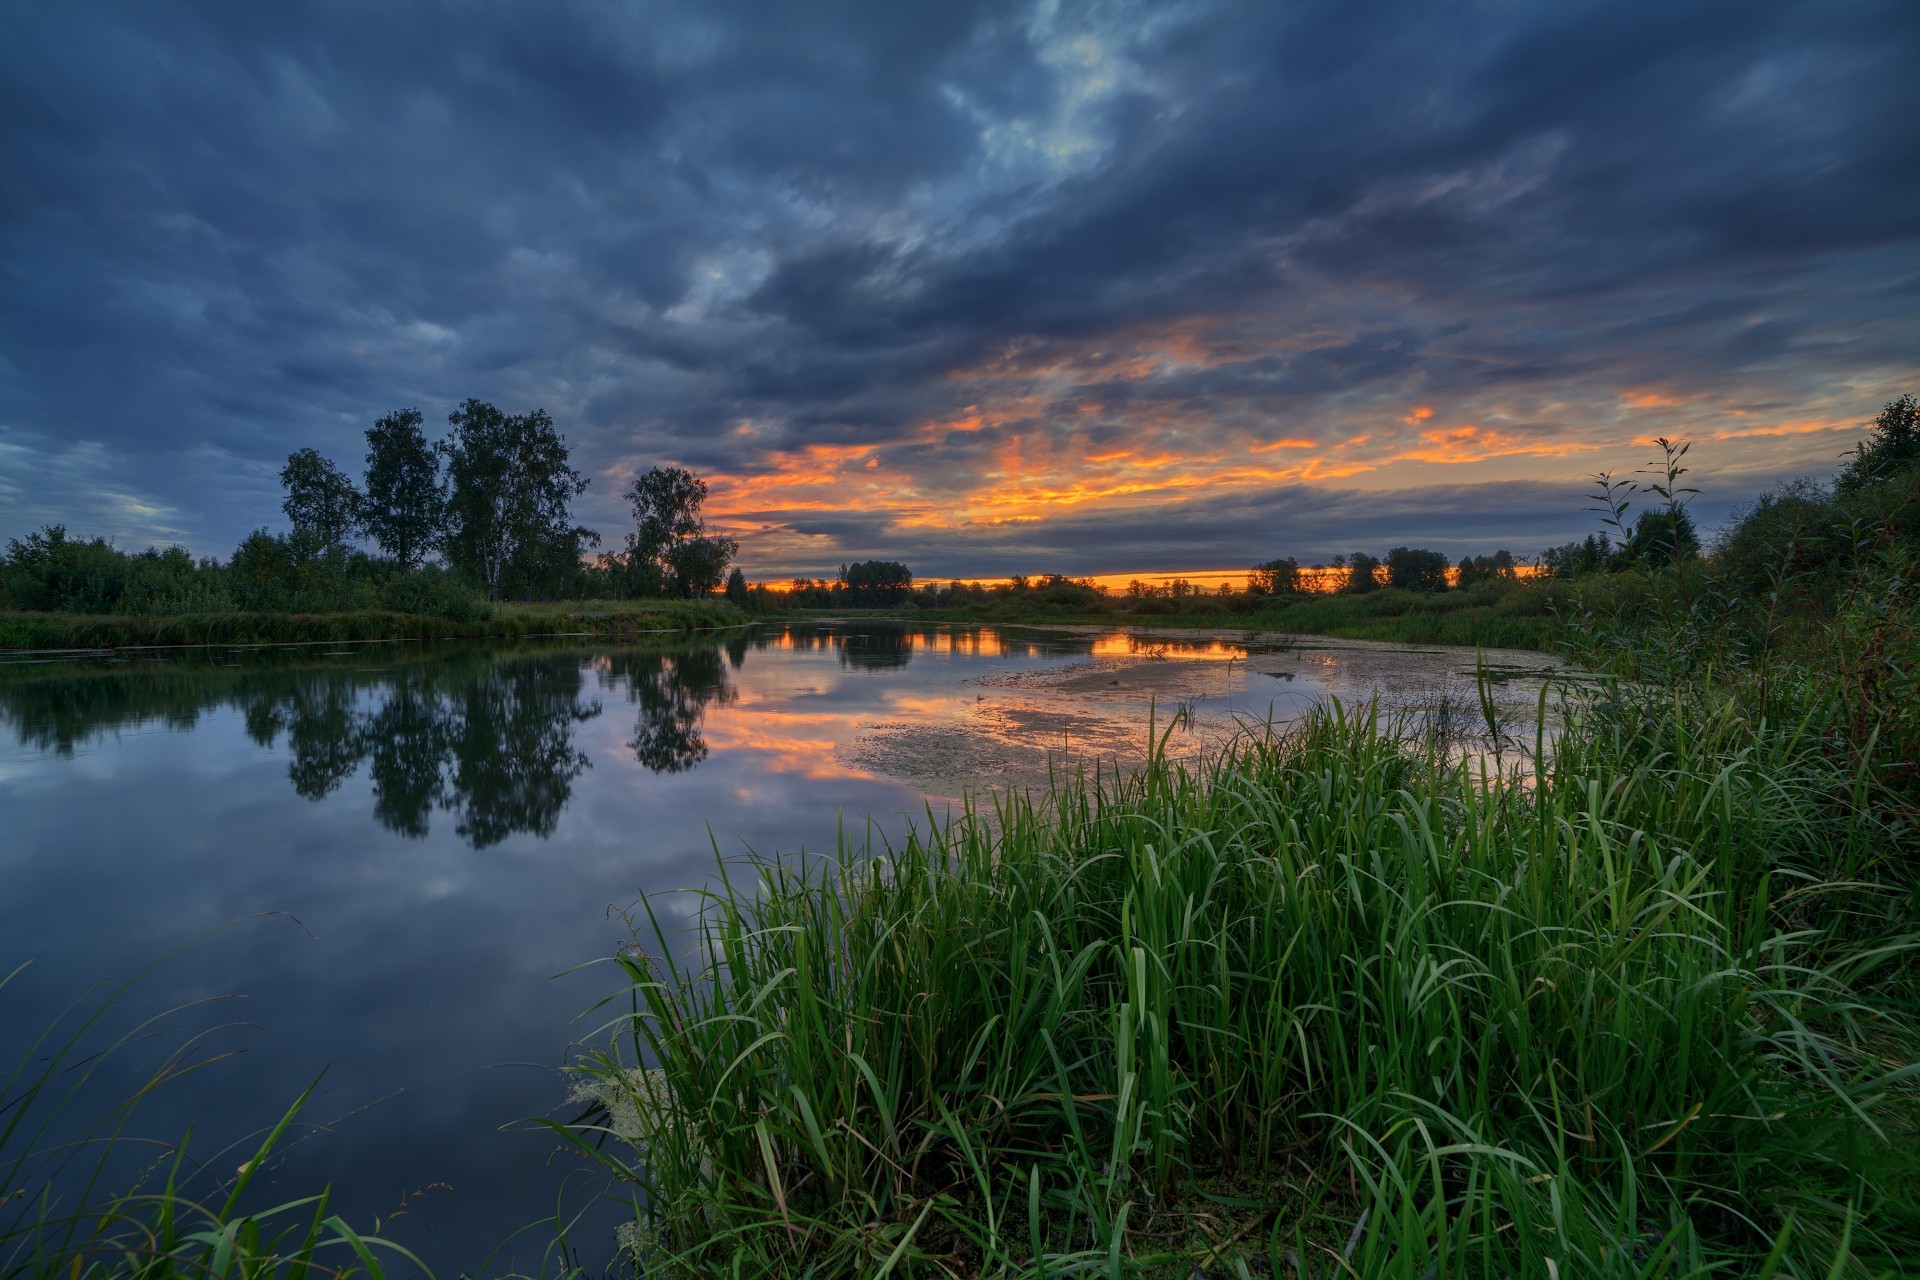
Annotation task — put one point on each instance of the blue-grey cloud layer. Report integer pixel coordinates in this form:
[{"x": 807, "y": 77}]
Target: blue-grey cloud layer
[{"x": 712, "y": 233}]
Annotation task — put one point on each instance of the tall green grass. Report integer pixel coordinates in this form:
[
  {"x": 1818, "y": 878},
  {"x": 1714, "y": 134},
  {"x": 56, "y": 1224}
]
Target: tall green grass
[
  {"x": 1325, "y": 1005},
  {"x": 84, "y": 1196}
]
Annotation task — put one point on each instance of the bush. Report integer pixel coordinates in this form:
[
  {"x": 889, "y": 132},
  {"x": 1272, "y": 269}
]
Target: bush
[{"x": 434, "y": 592}]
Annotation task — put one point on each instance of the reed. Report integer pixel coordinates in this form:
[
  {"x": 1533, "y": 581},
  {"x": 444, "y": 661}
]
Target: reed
[
  {"x": 1331, "y": 1003},
  {"x": 84, "y": 1197}
]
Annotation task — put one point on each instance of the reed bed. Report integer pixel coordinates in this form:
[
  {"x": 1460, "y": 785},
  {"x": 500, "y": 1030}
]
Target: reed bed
[{"x": 1323, "y": 1005}]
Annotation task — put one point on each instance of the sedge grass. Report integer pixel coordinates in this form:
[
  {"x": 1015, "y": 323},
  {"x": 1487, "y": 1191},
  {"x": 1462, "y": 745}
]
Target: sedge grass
[
  {"x": 83, "y": 1197},
  {"x": 1322, "y": 1005}
]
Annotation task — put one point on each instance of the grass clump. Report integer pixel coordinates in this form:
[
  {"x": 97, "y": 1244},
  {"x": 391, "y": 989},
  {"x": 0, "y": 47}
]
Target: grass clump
[
  {"x": 83, "y": 1197},
  {"x": 1326, "y": 1005}
]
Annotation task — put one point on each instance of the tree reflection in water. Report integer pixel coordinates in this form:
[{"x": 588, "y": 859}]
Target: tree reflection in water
[
  {"x": 484, "y": 735},
  {"x": 489, "y": 741},
  {"x": 877, "y": 646},
  {"x": 673, "y": 691}
]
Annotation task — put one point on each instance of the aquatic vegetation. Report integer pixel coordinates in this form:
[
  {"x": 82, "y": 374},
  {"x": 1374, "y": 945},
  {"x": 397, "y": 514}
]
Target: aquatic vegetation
[
  {"x": 82, "y": 1196},
  {"x": 1323, "y": 1005}
]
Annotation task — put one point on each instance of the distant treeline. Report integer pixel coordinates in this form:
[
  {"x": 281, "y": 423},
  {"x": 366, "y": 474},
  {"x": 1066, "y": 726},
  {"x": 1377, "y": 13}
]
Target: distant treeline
[
  {"x": 438, "y": 529},
  {"x": 1798, "y": 544},
  {"x": 485, "y": 514}
]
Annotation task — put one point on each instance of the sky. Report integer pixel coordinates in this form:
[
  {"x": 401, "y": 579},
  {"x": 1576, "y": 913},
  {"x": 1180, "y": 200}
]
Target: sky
[{"x": 987, "y": 288}]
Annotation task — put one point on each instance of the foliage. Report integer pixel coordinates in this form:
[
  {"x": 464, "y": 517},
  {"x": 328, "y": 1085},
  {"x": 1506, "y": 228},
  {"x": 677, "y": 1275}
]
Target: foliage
[
  {"x": 509, "y": 515},
  {"x": 404, "y": 510},
  {"x": 476, "y": 620},
  {"x": 49, "y": 570},
  {"x": 1275, "y": 577},
  {"x": 1334, "y": 1004},
  {"x": 698, "y": 565},
  {"x": 1662, "y": 537},
  {"x": 876, "y": 583},
  {"x": 669, "y": 547},
  {"x": 1411, "y": 569},
  {"x": 321, "y": 500},
  {"x": 737, "y": 588},
  {"x": 1892, "y": 449}
]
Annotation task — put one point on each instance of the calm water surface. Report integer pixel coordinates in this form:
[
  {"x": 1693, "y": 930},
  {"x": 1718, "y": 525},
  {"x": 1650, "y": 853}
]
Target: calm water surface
[{"x": 441, "y": 830}]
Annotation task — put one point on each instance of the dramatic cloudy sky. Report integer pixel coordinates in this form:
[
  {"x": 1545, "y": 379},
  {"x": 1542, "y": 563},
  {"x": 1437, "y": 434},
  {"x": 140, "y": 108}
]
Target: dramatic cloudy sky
[{"x": 984, "y": 287}]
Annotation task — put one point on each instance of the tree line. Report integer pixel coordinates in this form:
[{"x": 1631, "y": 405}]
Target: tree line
[{"x": 483, "y": 514}]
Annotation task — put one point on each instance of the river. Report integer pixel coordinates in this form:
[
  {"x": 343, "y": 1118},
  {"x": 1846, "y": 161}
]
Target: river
[{"x": 406, "y": 843}]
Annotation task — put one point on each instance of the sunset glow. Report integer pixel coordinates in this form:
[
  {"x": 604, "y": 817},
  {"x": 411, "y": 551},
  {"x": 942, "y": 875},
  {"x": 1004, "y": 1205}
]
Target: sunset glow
[{"x": 1020, "y": 294}]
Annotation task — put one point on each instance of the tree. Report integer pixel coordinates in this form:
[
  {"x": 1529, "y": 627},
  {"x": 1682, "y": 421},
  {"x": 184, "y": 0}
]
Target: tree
[
  {"x": 737, "y": 587},
  {"x": 669, "y": 543},
  {"x": 321, "y": 501},
  {"x": 1663, "y": 536},
  {"x": 1571, "y": 559},
  {"x": 1360, "y": 567},
  {"x": 700, "y": 564},
  {"x": 876, "y": 582},
  {"x": 1415, "y": 569},
  {"x": 510, "y": 509},
  {"x": 1893, "y": 447},
  {"x": 405, "y": 507},
  {"x": 1275, "y": 577}
]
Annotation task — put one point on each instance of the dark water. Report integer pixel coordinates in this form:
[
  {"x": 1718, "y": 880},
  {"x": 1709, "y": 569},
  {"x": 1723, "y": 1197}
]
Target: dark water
[{"x": 443, "y": 830}]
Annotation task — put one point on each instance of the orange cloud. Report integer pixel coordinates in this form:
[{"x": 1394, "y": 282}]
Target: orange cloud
[
  {"x": 1644, "y": 399},
  {"x": 1469, "y": 443},
  {"x": 1418, "y": 416},
  {"x": 1786, "y": 429}
]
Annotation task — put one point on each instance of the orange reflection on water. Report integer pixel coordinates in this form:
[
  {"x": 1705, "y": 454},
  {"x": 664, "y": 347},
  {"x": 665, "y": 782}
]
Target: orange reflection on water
[{"x": 1121, "y": 644}]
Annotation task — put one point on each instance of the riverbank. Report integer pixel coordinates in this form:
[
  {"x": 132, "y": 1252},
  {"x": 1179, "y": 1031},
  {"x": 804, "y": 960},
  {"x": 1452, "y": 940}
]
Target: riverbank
[
  {"x": 1504, "y": 615},
  {"x": 1324, "y": 1005},
  {"x": 32, "y": 631}
]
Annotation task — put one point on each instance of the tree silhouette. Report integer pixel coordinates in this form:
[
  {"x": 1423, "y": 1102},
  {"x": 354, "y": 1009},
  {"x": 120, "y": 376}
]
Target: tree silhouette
[
  {"x": 1275, "y": 577},
  {"x": 321, "y": 501},
  {"x": 1360, "y": 567},
  {"x": 1412, "y": 569},
  {"x": 406, "y": 503},
  {"x": 669, "y": 544},
  {"x": 512, "y": 495},
  {"x": 1893, "y": 446},
  {"x": 876, "y": 583}
]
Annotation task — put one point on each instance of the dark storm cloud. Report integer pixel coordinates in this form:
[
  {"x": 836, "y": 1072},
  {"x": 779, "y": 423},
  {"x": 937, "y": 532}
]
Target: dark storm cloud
[{"x": 719, "y": 235}]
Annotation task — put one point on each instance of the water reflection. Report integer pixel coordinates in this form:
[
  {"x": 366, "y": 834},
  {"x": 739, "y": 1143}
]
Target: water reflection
[
  {"x": 877, "y": 647},
  {"x": 673, "y": 691},
  {"x": 489, "y": 736},
  {"x": 151, "y": 796},
  {"x": 486, "y": 737}
]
